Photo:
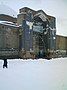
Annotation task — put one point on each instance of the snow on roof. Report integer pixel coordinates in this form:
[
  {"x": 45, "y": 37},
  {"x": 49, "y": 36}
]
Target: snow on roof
[
  {"x": 4, "y": 9},
  {"x": 8, "y": 23}
]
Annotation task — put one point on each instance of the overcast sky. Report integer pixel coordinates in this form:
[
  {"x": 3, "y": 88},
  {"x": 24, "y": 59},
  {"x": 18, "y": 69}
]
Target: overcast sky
[{"x": 57, "y": 8}]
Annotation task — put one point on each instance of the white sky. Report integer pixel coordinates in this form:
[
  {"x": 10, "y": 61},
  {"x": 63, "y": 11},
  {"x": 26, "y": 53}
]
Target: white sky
[{"x": 57, "y": 8}]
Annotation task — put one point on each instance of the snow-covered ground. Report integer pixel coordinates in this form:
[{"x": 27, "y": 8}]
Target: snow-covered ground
[{"x": 38, "y": 74}]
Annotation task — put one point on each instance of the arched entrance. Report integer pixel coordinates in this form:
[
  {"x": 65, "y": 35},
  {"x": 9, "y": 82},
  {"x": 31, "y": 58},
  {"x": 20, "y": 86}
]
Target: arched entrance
[{"x": 40, "y": 27}]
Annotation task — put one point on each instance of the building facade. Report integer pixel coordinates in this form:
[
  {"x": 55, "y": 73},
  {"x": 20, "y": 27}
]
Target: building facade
[
  {"x": 39, "y": 31},
  {"x": 31, "y": 35}
]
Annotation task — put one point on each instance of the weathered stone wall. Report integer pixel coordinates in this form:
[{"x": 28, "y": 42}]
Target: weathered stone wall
[
  {"x": 9, "y": 42},
  {"x": 8, "y": 18},
  {"x": 20, "y": 18},
  {"x": 61, "y": 42}
]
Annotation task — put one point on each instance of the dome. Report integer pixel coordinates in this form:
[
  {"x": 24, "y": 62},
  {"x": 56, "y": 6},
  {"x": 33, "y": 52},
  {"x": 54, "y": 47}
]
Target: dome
[{"x": 4, "y": 9}]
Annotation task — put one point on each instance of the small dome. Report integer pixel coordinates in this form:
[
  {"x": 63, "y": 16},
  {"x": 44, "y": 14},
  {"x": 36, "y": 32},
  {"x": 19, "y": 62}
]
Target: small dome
[{"x": 4, "y": 9}]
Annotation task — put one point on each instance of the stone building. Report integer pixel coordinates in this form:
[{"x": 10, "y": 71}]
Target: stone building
[
  {"x": 61, "y": 45},
  {"x": 43, "y": 31},
  {"x": 30, "y": 34},
  {"x": 9, "y": 33}
]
